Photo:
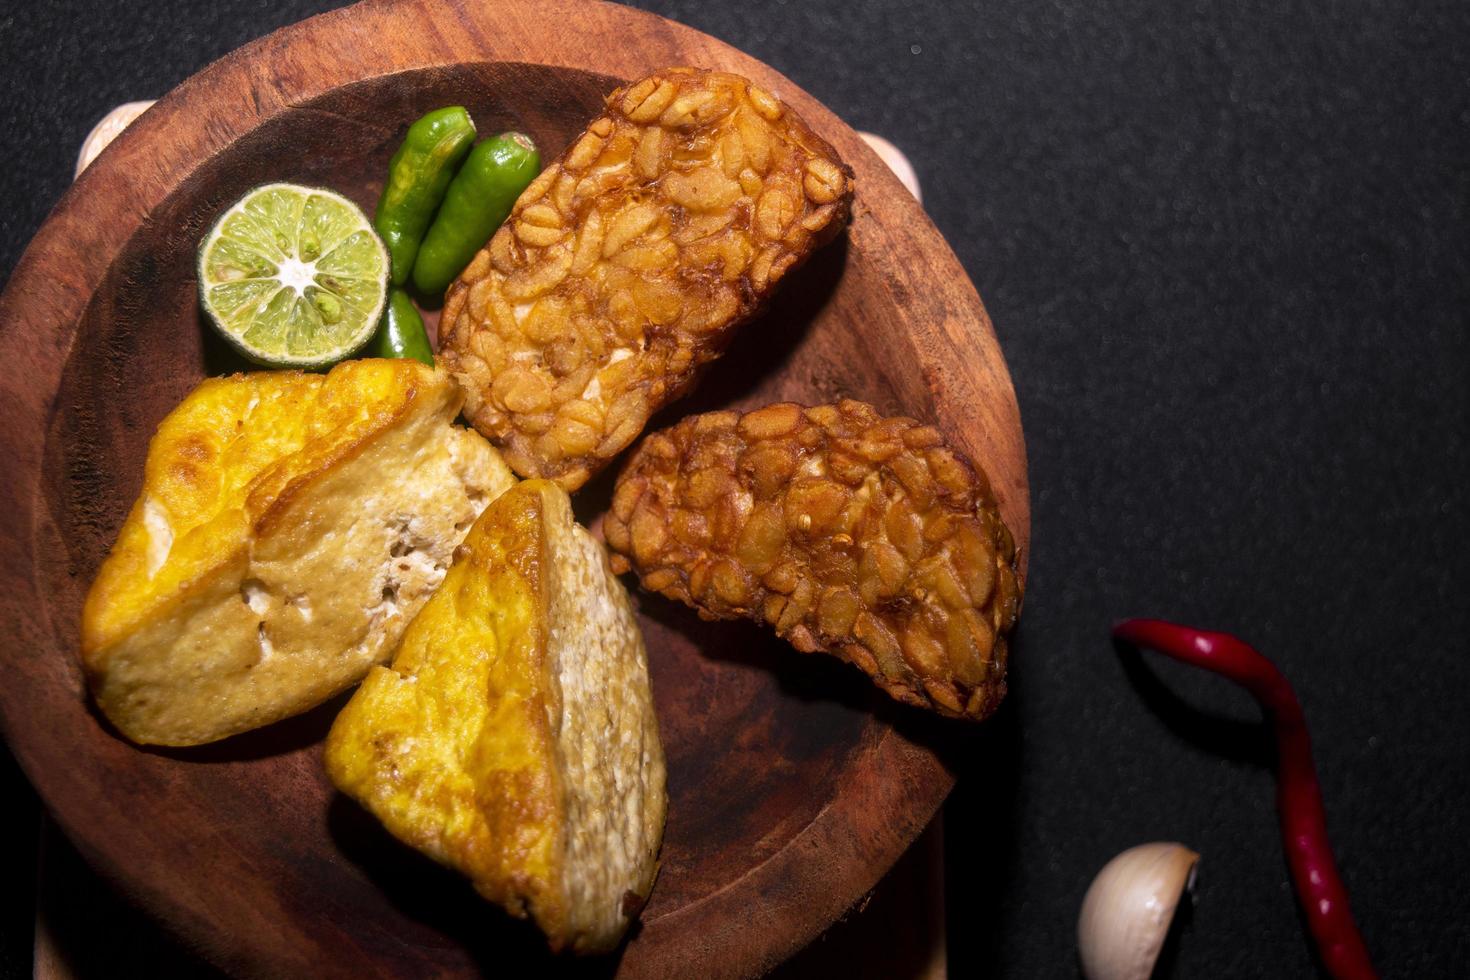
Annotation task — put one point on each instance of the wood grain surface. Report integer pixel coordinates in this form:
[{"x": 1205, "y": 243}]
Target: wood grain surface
[{"x": 793, "y": 784}]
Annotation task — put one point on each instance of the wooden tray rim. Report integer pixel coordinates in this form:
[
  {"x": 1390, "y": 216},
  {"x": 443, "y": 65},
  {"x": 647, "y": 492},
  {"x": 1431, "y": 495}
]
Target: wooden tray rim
[{"x": 40, "y": 327}]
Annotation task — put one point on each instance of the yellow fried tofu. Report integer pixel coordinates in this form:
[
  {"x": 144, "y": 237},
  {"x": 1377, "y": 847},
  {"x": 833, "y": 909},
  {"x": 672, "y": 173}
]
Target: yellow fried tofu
[
  {"x": 289, "y": 526},
  {"x": 513, "y": 737}
]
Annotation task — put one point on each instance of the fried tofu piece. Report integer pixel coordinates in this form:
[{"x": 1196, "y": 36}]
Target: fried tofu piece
[
  {"x": 514, "y": 738},
  {"x": 629, "y": 263},
  {"x": 848, "y": 533},
  {"x": 289, "y": 527}
]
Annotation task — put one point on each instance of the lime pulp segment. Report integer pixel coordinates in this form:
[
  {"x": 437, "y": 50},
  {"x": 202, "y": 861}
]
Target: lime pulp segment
[{"x": 294, "y": 275}]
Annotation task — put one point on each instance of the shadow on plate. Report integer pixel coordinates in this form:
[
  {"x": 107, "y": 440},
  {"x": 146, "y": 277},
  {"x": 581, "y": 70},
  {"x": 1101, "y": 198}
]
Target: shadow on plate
[
  {"x": 280, "y": 738},
  {"x": 444, "y": 901},
  {"x": 985, "y": 758},
  {"x": 820, "y": 677},
  {"x": 758, "y": 351},
  {"x": 981, "y": 829},
  {"x": 763, "y": 347},
  {"x": 219, "y": 356},
  {"x": 88, "y": 929}
]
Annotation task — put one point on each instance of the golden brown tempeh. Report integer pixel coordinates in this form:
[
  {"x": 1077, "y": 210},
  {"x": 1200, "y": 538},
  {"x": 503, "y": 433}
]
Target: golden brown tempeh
[
  {"x": 853, "y": 534},
  {"x": 629, "y": 262}
]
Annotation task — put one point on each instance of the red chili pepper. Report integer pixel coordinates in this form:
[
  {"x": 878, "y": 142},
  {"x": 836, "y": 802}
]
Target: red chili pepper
[{"x": 1319, "y": 888}]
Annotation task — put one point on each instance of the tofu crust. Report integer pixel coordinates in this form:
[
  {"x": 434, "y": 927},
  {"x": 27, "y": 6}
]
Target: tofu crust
[
  {"x": 513, "y": 737},
  {"x": 289, "y": 527}
]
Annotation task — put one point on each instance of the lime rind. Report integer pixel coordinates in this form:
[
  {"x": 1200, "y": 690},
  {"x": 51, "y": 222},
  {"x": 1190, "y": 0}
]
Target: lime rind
[{"x": 294, "y": 276}]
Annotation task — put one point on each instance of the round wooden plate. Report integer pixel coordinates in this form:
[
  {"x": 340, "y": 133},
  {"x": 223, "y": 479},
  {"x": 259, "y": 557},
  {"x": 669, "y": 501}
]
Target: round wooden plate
[{"x": 794, "y": 785}]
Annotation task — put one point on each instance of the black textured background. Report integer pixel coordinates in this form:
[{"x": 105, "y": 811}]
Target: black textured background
[{"x": 1224, "y": 246}]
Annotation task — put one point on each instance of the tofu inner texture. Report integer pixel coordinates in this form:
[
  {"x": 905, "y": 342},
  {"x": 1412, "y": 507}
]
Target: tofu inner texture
[
  {"x": 160, "y": 534},
  {"x": 592, "y": 657},
  {"x": 317, "y": 600}
]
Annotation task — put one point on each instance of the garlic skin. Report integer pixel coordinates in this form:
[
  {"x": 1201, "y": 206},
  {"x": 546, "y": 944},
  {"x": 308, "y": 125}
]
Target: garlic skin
[
  {"x": 107, "y": 130},
  {"x": 1126, "y": 913},
  {"x": 897, "y": 162}
]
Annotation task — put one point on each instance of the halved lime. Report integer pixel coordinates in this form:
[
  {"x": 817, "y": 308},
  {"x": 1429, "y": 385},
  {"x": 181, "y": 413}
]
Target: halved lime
[{"x": 294, "y": 276}]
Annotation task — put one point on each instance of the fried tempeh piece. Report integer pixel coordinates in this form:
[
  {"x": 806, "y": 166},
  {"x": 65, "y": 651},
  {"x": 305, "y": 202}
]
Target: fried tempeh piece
[
  {"x": 628, "y": 264},
  {"x": 514, "y": 736},
  {"x": 852, "y": 534}
]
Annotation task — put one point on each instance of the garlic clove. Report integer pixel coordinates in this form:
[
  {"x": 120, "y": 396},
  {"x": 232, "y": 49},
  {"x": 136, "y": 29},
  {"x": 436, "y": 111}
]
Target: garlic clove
[
  {"x": 897, "y": 162},
  {"x": 1126, "y": 913},
  {"x": 107, "y": 130}
]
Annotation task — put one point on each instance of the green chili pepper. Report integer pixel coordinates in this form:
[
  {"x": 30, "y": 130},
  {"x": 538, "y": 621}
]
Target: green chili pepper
[
  {"x": 402, "y": 333},
  {"x": 418, "y": 176},
  {"x": 481, "y": 195}
]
